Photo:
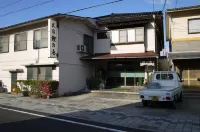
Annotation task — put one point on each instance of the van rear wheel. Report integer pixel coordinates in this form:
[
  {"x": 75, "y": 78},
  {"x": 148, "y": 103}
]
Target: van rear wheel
[{"x": 145, "y": 103}]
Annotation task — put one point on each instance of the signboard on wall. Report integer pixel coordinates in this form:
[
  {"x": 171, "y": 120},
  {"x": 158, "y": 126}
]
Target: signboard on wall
[
  {"x": 146, "y": 63},
  {"x": 53, "y": 38}
]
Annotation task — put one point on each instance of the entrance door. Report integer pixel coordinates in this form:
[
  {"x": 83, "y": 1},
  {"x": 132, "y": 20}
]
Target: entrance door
[{"x": 13, "y": 79}]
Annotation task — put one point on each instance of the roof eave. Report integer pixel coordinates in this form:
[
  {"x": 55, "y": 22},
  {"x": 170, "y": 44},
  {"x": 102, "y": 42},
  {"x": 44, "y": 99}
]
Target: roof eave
[{"x": 180, "y": 10}]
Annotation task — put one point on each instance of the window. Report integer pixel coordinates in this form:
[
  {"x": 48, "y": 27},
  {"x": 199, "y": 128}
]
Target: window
[
  {"x": 103, "y": 35},
  {"x": 39, "y": 73},
  {"x": 132, "y": 35},
  {"x": 122, "y": 36},
  {"x": 194, "y": 25},
  {"x": 164, "y": 77},
  {"x": 41, "y": 38},
  {"x": 20, "y": 41},
  {"x": 88, "y": 41},
  {"x": 139, "y": 34},
  {"x": 4, "y": 44}
]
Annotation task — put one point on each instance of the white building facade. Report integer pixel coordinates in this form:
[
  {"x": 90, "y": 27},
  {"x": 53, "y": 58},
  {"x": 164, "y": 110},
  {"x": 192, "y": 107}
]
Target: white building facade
[{"x": 48, "y": 49}]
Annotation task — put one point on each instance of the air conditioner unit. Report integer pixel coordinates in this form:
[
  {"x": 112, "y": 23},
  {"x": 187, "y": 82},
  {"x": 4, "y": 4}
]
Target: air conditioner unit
[{"x": 81, "y": 48}]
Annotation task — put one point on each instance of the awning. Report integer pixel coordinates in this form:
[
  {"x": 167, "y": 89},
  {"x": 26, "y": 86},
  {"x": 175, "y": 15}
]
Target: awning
[
  {"x": 14, "y": 70},
  {"x": 121, "y": 56},
  {"x": 42, "y": 64},
  {"x": 184, "y": 55}
]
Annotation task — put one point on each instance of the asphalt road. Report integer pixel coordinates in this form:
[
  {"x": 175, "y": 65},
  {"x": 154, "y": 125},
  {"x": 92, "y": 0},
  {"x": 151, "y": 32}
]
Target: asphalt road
[{"x": 11, "y": 121}]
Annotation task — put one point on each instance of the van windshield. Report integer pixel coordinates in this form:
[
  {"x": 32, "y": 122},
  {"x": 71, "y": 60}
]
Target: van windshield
[{"x": 164, "y": 77}]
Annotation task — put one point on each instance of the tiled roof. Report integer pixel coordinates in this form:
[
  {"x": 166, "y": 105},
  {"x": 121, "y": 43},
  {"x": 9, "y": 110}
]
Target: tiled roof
[
  {"x": 184, "y": 8},
  {"x": 119, "y": 56},
  {"x": 126, "y": 17}
]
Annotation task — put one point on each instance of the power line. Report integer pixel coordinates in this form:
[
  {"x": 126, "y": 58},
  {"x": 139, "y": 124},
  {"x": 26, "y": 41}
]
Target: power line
[
  {"x": 1, "y": 7},
  {"x": 94, "y": 6},
  {"x": 42, "y": 3},
  {"x": 164, "y": 5}
]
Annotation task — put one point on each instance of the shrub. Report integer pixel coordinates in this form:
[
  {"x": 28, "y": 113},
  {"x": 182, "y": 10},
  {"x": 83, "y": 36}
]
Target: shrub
[{"x": 39, "y": 88}]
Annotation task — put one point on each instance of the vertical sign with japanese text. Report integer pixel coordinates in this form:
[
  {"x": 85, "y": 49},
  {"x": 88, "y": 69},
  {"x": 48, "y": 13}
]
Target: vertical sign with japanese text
[{"x": 53, "y": 38}]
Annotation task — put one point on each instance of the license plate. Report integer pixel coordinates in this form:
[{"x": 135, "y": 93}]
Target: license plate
[{"x": 154, "y": 98}]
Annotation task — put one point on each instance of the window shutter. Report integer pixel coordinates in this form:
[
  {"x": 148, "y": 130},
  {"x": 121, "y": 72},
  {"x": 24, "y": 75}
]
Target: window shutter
[
  {"x": 17, "y": 42},
  {"x": 139, "y": 34},
  {"x": 4, "y": 44},
  {"x": 41, "y": 73},
  {"x": 23, "y": 41},
  {"x": 29, "y": 73},
  {"x": 37, "y": 38},
  {"x": 122, "y": 36},
  {"x": 48, "y": 73},
  {"x": 44, "y": 41}
]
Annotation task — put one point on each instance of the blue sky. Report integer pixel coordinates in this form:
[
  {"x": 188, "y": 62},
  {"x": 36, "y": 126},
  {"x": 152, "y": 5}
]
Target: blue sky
[{"x": 63, "y": 6}]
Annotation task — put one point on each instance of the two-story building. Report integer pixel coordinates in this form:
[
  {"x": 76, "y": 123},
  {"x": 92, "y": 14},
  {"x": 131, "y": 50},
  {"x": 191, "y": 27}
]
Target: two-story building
[
  {"x": 127, "y": 47},
  {"x": 183, "y": 34},
  {"x": 71, "y": 49}
]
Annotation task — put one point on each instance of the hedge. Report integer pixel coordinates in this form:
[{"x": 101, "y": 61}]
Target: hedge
[{"x": 39, "y": 88}]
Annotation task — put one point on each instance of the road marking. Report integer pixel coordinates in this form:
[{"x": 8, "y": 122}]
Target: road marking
[{"x": 64, "y": 120}]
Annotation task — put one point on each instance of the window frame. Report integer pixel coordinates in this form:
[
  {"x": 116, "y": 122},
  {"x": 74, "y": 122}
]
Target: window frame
[
  {"x": 8, "y": 43},
  {"x": 128, "y": 42},
  {"x": 39, "y": 72},
  {"x": 189, "y": 27},
  {"x": 126, "y": 35},
  {"x": 143, "y": 33},
  {"x": 20, "y": 41},
  {"x": 107, "y": 34},
  {"x": 41, "y": 37}
]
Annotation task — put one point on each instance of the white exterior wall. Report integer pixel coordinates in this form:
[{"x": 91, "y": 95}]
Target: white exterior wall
[
  {"x": 104, "y": 45},
  {"x": 131, "y": 48},
  {"x": 150, "y": 37},
  {"x": 101, "y": 45},
  {"x": 17, "y": 60},
  {"x": 73, "y": 71}
]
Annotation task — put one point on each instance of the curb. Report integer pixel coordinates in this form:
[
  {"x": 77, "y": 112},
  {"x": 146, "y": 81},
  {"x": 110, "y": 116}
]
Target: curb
[{"x": 114, "y": 92}]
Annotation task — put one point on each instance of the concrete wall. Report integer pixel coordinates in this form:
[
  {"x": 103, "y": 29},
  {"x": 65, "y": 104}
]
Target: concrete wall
[
  {"x": 17, "y": 60},
  {"x": 73, "y": 72},
  {"x": 186, "y": 46}
]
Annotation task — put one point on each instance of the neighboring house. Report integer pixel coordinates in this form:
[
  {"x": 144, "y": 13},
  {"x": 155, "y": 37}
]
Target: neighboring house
[
  {"x": 183, "y": 34},
  {"x": 71, "y": 49},
  {"x": 127, "y": 47}
]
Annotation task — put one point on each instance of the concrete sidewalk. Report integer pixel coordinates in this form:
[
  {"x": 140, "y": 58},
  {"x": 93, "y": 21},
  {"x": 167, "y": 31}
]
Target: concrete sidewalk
[{"x": 118, "y": 111}]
